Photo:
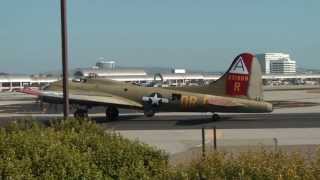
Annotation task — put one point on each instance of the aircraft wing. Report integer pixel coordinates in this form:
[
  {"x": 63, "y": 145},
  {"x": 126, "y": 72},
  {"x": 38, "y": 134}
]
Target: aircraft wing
[{"x": 56, "y": 97}]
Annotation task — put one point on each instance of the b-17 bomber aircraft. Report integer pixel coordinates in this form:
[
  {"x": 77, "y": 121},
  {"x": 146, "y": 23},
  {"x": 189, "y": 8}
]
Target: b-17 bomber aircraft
[{"x": 239, "y": 90}]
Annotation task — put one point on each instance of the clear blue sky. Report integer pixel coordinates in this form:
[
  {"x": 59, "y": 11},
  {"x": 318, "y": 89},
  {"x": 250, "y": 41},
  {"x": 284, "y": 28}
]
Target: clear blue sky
[{"x": 194, "y": 34}]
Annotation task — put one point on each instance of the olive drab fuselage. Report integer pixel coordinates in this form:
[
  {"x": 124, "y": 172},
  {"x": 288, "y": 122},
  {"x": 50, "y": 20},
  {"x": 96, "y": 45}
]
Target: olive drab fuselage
[
  {"x": 162, "y": 99},
  {"x": 238, "y": 90}
]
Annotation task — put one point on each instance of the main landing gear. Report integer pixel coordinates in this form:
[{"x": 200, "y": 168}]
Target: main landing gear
[
  {"x": 81, "y": 113},
  {"x": 149, "y": 112},
  {"x": 215, "y": 117},
  {"x": 112, "y": 113}
]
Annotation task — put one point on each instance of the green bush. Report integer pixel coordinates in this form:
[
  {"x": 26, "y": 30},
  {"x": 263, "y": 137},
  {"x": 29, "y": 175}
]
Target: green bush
[
  {"x": 79, "y": 149},
  {"x": 249, "y": 165},
  {"x": 75, "y": 149}
]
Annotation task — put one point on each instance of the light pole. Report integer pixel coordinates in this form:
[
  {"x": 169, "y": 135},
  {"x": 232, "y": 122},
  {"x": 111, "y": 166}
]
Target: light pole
[{"x": 64, "y": 48}]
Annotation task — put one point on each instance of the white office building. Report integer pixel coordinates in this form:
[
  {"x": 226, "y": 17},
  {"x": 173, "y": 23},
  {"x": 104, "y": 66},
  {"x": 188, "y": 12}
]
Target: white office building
[{"x": 276, "y": 63}]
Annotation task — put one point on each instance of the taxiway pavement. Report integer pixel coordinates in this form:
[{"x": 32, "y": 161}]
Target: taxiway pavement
[{"x": 297, "y": 124}]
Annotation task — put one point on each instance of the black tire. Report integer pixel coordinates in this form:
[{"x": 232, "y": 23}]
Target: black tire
[
  {"x": 216, "y": 117},
  {"x": 149, "y": 113},
  {"x": 112, "y": 113}
]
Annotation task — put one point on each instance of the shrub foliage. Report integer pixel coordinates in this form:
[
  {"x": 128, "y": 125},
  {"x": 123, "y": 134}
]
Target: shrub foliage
[
  {"x": 261, "y": 164},
  {"x": 74, "y": 149},
  {"x": 80, "y": 149}
]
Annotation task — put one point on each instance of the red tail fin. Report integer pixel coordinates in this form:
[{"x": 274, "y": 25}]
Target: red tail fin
[
  {"x": 243, "y": 79},
  {"x": 238, "y": 75}
]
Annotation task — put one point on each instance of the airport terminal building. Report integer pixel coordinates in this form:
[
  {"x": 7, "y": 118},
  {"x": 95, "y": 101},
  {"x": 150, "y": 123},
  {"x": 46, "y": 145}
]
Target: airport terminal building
[
  {"x": 16, "y": 82},
  {"x": 279, "y": 69}
]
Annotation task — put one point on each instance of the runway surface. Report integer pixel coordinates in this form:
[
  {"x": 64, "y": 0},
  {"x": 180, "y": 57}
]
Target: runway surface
[
  {"x": 297, "y": 122},
  {"x": 234, "y": 121},
  {"x": 292, "y": 115},
  {"x": 164, "y": 121}
]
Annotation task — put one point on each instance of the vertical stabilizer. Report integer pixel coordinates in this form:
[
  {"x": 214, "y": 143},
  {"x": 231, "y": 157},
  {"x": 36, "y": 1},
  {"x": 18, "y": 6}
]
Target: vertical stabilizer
[{"x": 243, "y": 78}]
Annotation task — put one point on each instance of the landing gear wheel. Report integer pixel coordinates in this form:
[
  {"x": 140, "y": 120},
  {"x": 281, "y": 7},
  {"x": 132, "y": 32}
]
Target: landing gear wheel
[
  {"x": 149, "y": 113},
  {"x": 215, "y": 117},
  {"x": 80, "y": 114},
  {"x": 112, "y": 113}
]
